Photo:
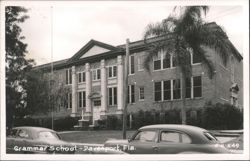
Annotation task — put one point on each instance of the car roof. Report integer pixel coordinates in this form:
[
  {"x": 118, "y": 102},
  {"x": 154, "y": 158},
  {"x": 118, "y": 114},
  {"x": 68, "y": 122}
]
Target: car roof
[
  {"x": 195, "y": 133},
  {"x": 174, "y": 127},
  {"x": 31, "y": 128}
]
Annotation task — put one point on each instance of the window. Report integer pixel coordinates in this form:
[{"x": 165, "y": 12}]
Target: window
[
  {"x": 68, "y": 76},
  {"x": 166, "y": 60},
  {"x": 81, "y": 77},
  {"x": 157, "y": 91},
  {"x": 193, "y": 87},
  {"x": 157, "y": 61},
  {"x": 112, "y": 71},
  {"x": 174, "y": 60},
  {"x": 47, "y": 135},
  {"x": 23, "y": 134},
  {"x": 167, "y": 90},
  {"x": 176, "y": 89},
  {"x": 174, "y": 137},
  {"x": 197, "y": 87},
  {"x": 96, "y": 74},
  {"x": 131, "y": 64},
  {"x": 188, "y": 88},
  {"x": 196, "y": 58},
  {"x": 163, "y": 60},
  {"x": 97, "y": 103},
  {"x": 131, "y": 93},
  {"x": 81, "y": 99},
  {"x": 141, "y": 59},
  {"x": 69, "y": 100},
  {"x": 141, "y": 93},
  {"x": 210, "y": 136},
  {"x": 232, "y": 69},
  {"x": 112, "y": 96},
  {"x": 146, "y": 136}
]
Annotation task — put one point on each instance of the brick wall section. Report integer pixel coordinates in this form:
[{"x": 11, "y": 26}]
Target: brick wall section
[
  {"x": 147, "y": 79},
  {"x": 212, "y": 89},
  {"x": 223, "y": 79}
]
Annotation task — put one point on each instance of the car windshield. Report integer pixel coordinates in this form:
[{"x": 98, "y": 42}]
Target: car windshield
[
  {"x": 12, "y": 132},
  {"x": 210, "y": 136},
  {"x": 48, "y": 135},
  {"x": 146, "y": 136}
]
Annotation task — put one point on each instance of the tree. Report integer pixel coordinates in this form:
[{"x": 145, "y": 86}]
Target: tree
[
  {"x": 185, "y": 34},
  {"x": 44, "y": 95},
  {"x": 16, "y": 63}
]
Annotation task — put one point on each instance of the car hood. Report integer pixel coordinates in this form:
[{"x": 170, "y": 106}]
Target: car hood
[
  {"x": 57, "y": 142},
  {"x": 115, "y": 141}
]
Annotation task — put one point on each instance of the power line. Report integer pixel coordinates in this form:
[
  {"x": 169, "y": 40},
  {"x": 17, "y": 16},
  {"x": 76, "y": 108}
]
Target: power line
[{"x": 224, "y": 13}]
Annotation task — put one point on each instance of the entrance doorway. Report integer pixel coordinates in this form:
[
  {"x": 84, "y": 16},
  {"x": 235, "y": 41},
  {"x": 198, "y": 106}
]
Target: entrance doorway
[{"x": 96, "y": 110}]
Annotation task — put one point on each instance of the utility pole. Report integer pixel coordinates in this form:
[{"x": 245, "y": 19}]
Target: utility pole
[
  {"x": 124, "y": 123},
  {"x": 52, "y": 77}
]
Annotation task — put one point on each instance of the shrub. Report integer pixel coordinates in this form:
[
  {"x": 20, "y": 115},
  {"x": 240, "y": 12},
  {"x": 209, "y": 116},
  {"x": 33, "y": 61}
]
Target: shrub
[
  {"x": 194, "y": 116},
  {"x": 222, "y": 116},
  {"x": 66, "y": 123},
  {"x": 138, "y": 119},
  {"x": 25, "y": 122},
  {"x": 113, "y": 123},
  {"x": 172, "y": 116}
]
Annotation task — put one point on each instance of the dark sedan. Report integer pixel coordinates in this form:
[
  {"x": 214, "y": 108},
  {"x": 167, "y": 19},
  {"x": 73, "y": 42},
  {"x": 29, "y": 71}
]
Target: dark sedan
[
  {"x": 46, "y": 141},
  {"x": 169, "y": 139}
]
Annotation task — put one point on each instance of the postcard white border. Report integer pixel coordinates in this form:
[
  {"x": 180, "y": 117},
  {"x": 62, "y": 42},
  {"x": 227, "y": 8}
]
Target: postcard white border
[{"x": 245, "y": 156}]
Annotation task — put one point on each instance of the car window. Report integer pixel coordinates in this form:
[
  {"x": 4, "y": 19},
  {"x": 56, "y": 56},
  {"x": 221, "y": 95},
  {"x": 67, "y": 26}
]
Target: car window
[
  {"x": 174, "y": 137},
  {"x": 185, "y": 138},
  {"x": 12, "y": 132},
  {"x": 210, "y": 136},
  {"x": 22, "y": 134},
  {"x": 146, "y": 136},
  {"x": 47, "y": 135}
]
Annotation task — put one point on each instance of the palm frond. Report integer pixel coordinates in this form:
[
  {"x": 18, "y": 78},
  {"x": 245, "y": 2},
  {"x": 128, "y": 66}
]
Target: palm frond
[
  {"x": 202, "y": 54},
  {"x": 214, "y": 37},
  {"x": 190, "y": 16},
  {"x": 161, "y": 28}
]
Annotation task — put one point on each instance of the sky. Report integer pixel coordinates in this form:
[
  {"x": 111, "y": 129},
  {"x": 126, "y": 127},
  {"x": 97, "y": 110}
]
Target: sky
[{"x": 65, "y": 29}]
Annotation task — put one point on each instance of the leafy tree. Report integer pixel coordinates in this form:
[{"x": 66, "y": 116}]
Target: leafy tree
[
  {"x": 43, "y": 93},
  {"x": 187, "y": 33},
  {"x": 16, "y": 64}
]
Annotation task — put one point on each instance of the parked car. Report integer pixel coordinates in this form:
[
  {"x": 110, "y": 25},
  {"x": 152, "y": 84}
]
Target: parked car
[
  {"x": 46, "y": 141},
  {"x": 169, "y": 139}
]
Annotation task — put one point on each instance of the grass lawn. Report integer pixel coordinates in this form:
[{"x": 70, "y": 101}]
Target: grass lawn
[{"x": 98, "y": 137}]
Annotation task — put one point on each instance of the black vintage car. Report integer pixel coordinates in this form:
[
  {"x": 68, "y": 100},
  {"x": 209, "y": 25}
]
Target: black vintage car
[
  {"x": 169, "y": 139},
  {"x": 46, "y": 141}
]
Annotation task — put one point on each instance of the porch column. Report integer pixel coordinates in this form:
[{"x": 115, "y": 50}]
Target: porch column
[
  {"x": 74, "y": 92},
  {"x": 103, "y": 88},
  {"x": 88, "y": 89},
  {"x": 120, "y": 83}
]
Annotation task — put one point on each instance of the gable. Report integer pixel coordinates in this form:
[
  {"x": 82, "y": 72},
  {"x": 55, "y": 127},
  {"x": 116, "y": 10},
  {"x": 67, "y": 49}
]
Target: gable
[
  {"x": 95, "y": 50},
  {"x": 92, "y": 48}
]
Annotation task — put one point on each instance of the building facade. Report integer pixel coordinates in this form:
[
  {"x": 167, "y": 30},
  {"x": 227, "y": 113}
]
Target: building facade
[{"x": 95, "y": 79}]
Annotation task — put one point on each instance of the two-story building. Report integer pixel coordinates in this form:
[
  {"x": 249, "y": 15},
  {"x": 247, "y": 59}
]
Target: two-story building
[{"x": 95, "y": 78}]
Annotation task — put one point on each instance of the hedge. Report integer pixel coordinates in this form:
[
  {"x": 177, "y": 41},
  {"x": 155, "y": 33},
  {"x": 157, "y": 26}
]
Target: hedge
[
  {"x": 65, "y": 123},
  {"x": 222, "y": 116},
  {"x": 212, "y": 117}
]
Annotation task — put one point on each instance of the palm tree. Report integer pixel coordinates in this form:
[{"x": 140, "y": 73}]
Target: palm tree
[{"x": 185, "y": 34}]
